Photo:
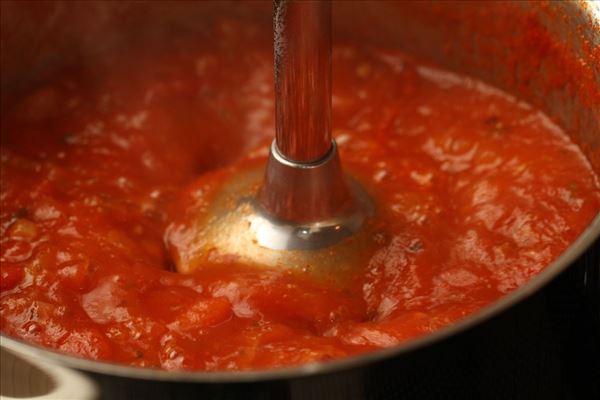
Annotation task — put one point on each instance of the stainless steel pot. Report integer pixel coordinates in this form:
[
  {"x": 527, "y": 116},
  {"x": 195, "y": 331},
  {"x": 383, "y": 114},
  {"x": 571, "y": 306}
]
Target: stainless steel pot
[{"x": 546, "y": 53}]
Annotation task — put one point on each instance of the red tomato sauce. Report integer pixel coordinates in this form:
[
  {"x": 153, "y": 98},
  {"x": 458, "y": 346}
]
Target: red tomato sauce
[{"x": 476, "y": 192}]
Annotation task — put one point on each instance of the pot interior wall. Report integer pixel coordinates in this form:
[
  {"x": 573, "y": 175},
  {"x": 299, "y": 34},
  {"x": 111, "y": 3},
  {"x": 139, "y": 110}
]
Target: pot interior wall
[{"x": 547, "y": 54}]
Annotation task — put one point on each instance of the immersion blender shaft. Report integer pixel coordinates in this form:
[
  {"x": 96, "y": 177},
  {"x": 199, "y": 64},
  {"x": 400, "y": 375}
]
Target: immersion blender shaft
[
  {"x": 303, "y": 78},
  {"x": 304, "y": 181}
]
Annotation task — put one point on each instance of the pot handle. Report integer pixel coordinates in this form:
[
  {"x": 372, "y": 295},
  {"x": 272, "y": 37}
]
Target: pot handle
[{"x": 32, "y": 378}]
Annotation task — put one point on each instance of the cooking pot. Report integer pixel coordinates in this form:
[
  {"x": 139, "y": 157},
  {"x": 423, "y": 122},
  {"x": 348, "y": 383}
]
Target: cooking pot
[{"x": 547, "y": 53}]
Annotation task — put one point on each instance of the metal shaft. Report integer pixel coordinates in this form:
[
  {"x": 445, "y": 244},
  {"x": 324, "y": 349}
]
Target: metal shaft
[
  {"x": 303, "y": 78},
  {"x": 305, "y": 208},
  {"x": 304, "y": 181}
]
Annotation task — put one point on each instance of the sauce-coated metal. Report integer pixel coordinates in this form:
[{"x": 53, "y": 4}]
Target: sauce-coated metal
[{"x": 305, "y": 207}]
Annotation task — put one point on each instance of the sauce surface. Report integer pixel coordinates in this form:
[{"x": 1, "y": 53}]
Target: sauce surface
[{"x": 476, "y": 192}]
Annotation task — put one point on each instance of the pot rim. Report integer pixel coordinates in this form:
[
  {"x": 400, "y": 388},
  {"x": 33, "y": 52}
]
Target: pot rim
[{"x": 576, "y": 249}]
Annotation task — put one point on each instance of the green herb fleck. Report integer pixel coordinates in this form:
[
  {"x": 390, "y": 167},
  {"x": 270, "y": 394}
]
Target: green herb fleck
[
  {"x": 495, "y": 125},
  {"x": 415, "y": 246},
  {"x": 69, "y": 138},
  {"x": 22, "y": 212}
]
